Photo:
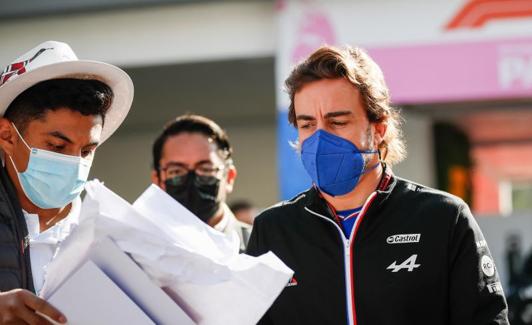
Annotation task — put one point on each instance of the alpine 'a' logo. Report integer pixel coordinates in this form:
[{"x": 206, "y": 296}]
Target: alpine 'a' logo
[{"x": 409, "y": 264}]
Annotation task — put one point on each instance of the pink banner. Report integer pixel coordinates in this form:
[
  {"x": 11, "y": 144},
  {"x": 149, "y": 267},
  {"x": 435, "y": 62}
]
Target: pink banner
[{"x": 457, "y": 71}]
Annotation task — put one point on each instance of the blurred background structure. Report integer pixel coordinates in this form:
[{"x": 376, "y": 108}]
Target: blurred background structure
[{"x": 461, "y": 70}]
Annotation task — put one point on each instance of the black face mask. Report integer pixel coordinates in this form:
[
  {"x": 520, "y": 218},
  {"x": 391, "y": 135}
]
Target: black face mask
[{"x": 199, "y": 194}]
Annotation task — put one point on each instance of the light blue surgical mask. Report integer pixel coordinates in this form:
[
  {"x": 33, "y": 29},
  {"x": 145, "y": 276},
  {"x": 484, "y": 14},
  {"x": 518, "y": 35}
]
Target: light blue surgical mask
[{"x": 52, "y": 180}]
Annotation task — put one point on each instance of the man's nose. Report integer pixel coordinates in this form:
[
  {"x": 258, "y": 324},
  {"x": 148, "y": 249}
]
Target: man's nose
[{"x": 321, "y": 124}]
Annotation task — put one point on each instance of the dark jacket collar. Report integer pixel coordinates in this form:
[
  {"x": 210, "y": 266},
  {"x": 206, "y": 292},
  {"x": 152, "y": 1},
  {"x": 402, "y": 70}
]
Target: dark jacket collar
[
  {"x": 10, "y": 193},
  {"x": 315, "y": 201},
  {"x": 11, "y": 211}
]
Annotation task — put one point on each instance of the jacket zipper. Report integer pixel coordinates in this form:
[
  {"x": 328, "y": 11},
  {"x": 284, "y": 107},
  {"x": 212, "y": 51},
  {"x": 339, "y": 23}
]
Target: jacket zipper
[{"x": 348, "y": 265}]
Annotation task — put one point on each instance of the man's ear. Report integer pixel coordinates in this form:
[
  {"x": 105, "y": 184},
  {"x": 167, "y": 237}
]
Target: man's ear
[
  {"x": 155, "y": 179},
  {"x": 230, "y": 178},
  {"x": 380, "y": 132},
  {"x": 7, "y": 136}
]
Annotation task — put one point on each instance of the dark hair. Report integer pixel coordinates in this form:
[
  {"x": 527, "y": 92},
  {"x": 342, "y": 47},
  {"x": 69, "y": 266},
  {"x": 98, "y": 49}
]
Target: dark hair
[
  {"x": 86, "y": 96},
  {"x": 355, "y": 66},
  {"x": 239, "y": 205},
  {"x": 192, "y": 124}
]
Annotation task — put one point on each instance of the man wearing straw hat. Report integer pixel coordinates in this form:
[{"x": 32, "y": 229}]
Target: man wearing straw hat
[{"x": 55, "y": 111}]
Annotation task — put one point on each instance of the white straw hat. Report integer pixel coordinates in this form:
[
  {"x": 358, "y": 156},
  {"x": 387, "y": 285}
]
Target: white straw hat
[{"x": 52, "y": 60}]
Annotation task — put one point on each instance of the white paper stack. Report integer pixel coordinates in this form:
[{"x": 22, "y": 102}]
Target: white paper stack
[
  {"x": 90, "y": 287},
  {"x": 195, "y": 265},
  {"x": 100, "y": 284}
]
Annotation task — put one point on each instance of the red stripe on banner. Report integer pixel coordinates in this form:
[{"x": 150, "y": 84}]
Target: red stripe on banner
[
  {"x": 455, "y": 22},
  {"x": 503, "y": 15},
  {"x": 477, "y": 13}
]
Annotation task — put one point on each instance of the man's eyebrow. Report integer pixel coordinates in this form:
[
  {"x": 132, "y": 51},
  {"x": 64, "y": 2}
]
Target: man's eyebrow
[
  {"x": 303, "y": 117},
  {"x": 179, "y": 164},
  {"x": 203, "y": 162},
  {"x": 92, "y": 144},
  {"x": 61, "y": 136},
  {"x": 175, "y": 163},
  {"x": 338, "y": 113}
]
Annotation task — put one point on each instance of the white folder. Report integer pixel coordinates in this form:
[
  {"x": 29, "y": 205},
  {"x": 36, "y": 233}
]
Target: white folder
[
  {"x": 89, "y": 297},
  {"x": 121, "y": 274},
  {"x": 136, "y": 284}
]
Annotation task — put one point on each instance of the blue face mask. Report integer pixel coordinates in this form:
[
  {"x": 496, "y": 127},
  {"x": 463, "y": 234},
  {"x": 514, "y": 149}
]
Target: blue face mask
[
  {"x": 52, "y": 180},
  {"x": 334, "y": 163}
]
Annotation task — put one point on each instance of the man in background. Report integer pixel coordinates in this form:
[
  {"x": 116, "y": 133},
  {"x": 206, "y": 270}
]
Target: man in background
[
  {"x": 244, "y": 211},
  {"x": 192, "y": 162}
]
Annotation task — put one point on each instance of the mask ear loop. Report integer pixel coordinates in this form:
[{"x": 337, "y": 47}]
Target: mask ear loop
[
  {"x": 15, "y": 166},
  {"x": 371, "y": 168},
  {"x": 23, "y": 141},
  {"x": 367, "y": 170},
  {"x": 20, "y": 136}
]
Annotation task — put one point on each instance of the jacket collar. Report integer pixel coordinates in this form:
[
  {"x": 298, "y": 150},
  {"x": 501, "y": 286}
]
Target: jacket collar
[
  {"x": 386, "y": 186},
  {"x": 318, "y": 204},
  {"x": 11, "y": 210}
]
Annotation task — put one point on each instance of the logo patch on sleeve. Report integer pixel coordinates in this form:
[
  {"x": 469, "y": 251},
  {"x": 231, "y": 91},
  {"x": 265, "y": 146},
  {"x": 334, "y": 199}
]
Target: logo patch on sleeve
[
  {"x": 495, "y": 287},
  {"x": 487, "y": 265},
  {"x": 481, "y": 244}
]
